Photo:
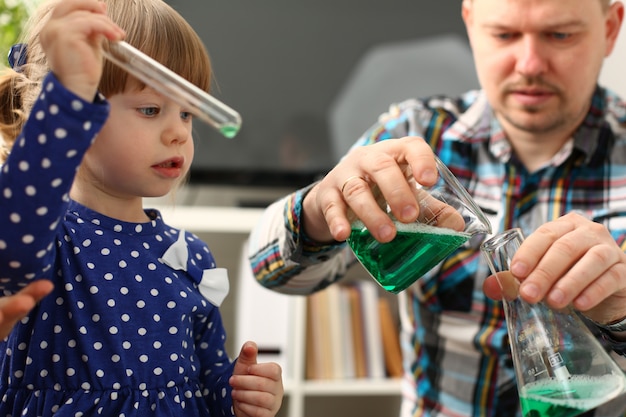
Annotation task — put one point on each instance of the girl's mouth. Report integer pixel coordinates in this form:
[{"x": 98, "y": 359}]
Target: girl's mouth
[
  {"x": 171, "y": 168},
  {"x": 169, "y": 164}
]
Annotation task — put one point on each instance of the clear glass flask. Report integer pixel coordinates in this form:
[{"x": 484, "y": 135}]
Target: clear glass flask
[
  {"x": 448, "y": 217},
  {"x": 561, "y": 368}
]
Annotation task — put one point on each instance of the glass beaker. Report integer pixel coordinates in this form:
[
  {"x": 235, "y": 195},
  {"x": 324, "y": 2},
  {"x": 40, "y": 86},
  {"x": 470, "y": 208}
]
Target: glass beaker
[
  {"x": 448, "y": 217},
  {"x": 562, "y": 370}
]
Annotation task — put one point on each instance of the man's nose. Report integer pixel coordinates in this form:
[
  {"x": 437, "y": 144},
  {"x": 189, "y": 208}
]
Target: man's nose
[{"x": 532, "y": 56}]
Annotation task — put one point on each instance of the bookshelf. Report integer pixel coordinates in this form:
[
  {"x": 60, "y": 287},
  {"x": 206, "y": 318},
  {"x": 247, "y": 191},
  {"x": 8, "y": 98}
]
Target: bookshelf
[{"x": 226, "y": 229}]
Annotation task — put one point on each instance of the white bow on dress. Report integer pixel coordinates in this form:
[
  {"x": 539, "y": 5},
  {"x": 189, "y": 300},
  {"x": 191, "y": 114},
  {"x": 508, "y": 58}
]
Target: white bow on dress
[{"x": 213, "y": 283}]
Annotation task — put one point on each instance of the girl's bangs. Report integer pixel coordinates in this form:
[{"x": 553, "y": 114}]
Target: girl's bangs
[{"x": 164, "y": 36}]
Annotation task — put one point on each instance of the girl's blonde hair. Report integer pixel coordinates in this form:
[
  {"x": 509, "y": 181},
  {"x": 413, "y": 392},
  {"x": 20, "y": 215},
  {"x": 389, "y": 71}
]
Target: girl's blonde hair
[{"x": 152, "y": 26}]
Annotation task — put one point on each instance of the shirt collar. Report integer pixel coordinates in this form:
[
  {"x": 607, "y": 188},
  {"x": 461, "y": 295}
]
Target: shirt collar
[{"x": 478, "y": 124}]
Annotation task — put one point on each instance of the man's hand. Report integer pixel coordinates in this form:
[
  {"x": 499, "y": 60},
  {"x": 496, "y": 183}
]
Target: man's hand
[
  {"x": 347, "y": 187},
  {"x": 571, "y": 260}
]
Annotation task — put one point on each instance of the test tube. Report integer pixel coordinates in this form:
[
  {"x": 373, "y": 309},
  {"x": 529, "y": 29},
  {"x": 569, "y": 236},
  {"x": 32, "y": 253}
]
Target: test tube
[{"x": 198, "y": 102}]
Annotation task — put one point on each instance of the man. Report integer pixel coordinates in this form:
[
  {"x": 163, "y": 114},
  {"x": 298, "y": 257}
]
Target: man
[{"x": 540, "y": 147}]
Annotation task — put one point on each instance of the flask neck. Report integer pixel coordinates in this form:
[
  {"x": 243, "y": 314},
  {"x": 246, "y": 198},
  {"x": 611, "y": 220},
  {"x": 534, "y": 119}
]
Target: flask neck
[{"x": 499, "y": 251}]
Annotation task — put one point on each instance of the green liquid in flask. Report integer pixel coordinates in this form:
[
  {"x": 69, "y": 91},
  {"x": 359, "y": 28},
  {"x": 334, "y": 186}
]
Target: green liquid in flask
[
  {"x": 415, "y": 250},
  {"x": 546, "y": 398}
]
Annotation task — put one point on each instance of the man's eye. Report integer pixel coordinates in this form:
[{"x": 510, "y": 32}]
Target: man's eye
[
  {"x": 504, "y": 36},
  {"x": 560, "y": 35},
  {"x": 149, "y": 111}
]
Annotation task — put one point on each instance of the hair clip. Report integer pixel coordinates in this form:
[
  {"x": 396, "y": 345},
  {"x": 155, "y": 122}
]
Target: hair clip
[{"x": 17, "y": 56}]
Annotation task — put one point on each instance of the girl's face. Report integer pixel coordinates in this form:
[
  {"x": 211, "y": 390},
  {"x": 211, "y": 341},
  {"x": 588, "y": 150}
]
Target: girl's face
[{"x": 144, "y": 149}]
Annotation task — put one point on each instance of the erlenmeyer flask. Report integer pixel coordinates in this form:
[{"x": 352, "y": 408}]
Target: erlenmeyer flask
[
  {"x": 448, "y": 217},
  {"x": 561, "y": 368}
]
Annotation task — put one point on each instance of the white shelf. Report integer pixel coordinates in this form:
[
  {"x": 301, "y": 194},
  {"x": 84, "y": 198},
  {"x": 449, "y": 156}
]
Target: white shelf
[{"x": 211, "y": 219}]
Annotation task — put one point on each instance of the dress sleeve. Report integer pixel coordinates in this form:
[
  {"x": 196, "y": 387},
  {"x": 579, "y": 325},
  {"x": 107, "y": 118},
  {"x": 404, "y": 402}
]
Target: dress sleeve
[
  {"x": 36, "y": 179},
  {"x": 216, "y": 366}
]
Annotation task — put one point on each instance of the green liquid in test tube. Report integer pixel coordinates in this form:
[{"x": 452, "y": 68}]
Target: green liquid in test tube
[{"x": 229, "y": 130}]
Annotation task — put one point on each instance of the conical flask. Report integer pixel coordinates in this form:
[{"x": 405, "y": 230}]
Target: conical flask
[
  {"x": 561, "y": 368},
  {"x": 448, "y": 217}
]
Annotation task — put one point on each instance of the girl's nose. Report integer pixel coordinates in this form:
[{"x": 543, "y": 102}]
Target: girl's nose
[{"x": 177, "y": 130}]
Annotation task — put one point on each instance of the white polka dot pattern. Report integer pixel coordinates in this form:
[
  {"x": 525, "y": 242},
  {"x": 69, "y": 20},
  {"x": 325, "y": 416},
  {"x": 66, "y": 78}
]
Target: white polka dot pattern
[{"x": 123, "y": 334}]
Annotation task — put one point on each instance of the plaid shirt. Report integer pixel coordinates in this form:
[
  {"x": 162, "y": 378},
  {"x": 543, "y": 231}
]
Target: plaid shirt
[{"x": 456, "y": 353}]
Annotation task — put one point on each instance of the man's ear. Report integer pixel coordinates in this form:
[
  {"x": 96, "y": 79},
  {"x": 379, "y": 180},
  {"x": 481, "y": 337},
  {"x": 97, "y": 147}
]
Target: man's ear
[
  {"x": 467, "y": 14},
  {"x": 614, "y": 19}
]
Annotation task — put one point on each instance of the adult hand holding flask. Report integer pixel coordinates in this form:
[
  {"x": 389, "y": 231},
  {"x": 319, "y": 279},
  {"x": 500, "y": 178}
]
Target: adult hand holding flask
[
  {"x": 561, "y": 368},
  {"x": 448, "y": 217}
]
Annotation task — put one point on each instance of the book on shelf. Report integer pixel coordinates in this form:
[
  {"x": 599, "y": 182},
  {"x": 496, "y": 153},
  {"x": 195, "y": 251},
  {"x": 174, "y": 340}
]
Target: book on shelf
[
  {"x": 312, "y": 354},
  {"x": 346, "y": 340},
  {"x": 323, "y": 337},
  {"x": 317, "y": 340},
  {"x": 371, "y": 326},
  {"x": 391, "y": 340},
  {"x": 358, "y": 337},
  {"x": 351, "y": 333}
]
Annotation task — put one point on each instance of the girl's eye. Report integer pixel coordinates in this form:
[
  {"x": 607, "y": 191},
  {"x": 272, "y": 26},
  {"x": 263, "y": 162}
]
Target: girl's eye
[
  {"x": 149, "y": 111},
  {"x": 185, "y": 115}
]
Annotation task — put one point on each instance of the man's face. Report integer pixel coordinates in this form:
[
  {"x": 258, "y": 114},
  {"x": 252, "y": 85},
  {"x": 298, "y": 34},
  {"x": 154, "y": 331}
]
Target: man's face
[{"x": 539, "y": 60}]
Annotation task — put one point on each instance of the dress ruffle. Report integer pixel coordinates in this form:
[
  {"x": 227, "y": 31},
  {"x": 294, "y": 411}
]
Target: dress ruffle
[{"x": 181, "y": 400}]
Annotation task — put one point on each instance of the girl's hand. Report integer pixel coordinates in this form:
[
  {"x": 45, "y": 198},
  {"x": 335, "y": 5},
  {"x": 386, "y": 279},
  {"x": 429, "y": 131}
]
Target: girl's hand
[
  {"x": 257, "y": 387},
  {"x": 72, "y": 41},
  {"x": 15, "y": 307}
]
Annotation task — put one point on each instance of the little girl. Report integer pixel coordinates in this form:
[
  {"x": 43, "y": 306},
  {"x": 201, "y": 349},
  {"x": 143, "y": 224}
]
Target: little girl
[{"x": 132, "y": 327}]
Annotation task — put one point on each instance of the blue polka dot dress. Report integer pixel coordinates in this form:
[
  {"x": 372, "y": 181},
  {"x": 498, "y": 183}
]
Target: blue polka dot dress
[{"x": 132, "y": 327}]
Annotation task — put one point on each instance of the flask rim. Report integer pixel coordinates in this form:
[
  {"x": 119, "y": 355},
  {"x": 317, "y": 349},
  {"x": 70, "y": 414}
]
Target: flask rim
[{"x": 501, "y": 239}]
